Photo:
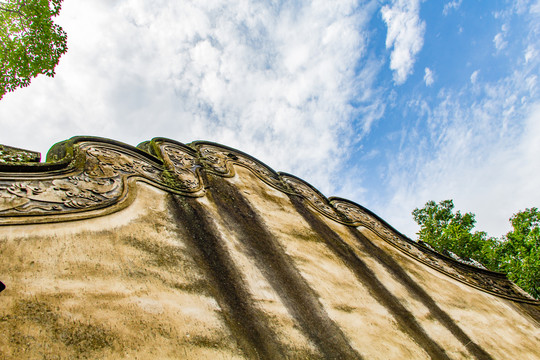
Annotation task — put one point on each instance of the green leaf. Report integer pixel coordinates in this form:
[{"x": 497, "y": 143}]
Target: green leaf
[{"x": 30, "y": 43}]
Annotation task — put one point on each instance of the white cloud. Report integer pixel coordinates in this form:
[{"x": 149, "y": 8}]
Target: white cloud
[
  {"x": 474, "y": 77},
  {"x": 292, "y": 84},
  {"x": 530, "y": 53},
  {"x": 499, "y": 41},
  {"x": 451, "y": 5},
  {"x": 405, "y": 35},
  {"x": 428, "y": 76},
  {"x": 274, "y": 80}
]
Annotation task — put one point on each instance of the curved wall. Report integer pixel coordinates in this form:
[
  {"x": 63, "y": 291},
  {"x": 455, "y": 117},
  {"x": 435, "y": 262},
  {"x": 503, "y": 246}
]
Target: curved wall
[{"x": 201, "y": 251}]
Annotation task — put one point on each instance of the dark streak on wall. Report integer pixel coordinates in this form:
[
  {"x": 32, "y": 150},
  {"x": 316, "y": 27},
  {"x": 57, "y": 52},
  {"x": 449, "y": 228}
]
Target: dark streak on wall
[
  {"x": 404, "y": 318},
  {"x": 300, "y": 300},
  {"x": 418, "y": 293},
  {"x": 247, "y": 323}
]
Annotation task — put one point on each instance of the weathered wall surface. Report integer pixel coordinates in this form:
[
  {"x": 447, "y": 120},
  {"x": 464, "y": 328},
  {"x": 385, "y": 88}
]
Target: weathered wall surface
[{"x": 204, "y": 252}]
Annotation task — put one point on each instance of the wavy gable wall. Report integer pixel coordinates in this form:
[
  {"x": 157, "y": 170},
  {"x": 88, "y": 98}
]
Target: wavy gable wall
[{"x": 196, "y": 251}]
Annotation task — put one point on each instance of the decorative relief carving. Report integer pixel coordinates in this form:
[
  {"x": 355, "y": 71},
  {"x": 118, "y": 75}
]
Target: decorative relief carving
[
  {"x": 100, "y": 181},
  {"x": 354, "y": 214},
  {"x": 185, "y": 167},
  {"x": 99, "y": 184},
  {"x": 73, "y": 192},
  {"x": 316, "y": 200},
  {"x": 261, "y": 171},
  {"x": 218, "y": 159},
  {"x": 498, "y": 285},
  {"x": 104, "y": 162}
]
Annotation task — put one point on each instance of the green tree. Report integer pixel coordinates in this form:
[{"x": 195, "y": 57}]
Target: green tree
[
  {"x": 446, "y": 230},
  {"x": 30, "y": 43},
  {"x": 519, "y": 253},
  {"x": 516, "y": 254}
]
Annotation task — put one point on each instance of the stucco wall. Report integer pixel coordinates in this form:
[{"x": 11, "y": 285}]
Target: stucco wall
[{"x": 230, "y": 260}]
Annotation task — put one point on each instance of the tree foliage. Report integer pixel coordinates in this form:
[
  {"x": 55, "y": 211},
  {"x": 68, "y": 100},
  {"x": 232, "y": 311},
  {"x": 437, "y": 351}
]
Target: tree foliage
[
  {"x": 30, "y": 43},
  {"x": 446, "y": 230},
  {"x": 517, "y": 253}
]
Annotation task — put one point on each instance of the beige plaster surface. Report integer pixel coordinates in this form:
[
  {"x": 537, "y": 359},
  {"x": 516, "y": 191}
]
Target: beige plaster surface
[
  {"x": 347, "y": 301},
  {"x": 490, "y": 320},
  {"x": 134, "y": 284},
  {"x": 122, "y": 285}
]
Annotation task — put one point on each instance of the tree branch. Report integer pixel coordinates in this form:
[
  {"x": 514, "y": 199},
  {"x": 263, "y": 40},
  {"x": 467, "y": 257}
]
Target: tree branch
[{"x": 11, "y": 11}]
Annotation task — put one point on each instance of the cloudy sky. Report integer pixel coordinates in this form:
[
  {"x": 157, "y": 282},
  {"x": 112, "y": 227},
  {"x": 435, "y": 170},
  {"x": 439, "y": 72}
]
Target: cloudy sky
[{"x": 387, "y": 103}]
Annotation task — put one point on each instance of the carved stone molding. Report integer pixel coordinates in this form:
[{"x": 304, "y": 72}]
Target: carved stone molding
[
  {"x": 219, "y": 159},
  {"x": 96, "y": 178},
  {"x": 109, "y": 162},
  {"x": 65, "y": 194},
  {"x": 216, "y": 160},
  {"x": 185, "y": 166},
  {"x": 98, "y": 184},
  {"x": 318, "y": 201}
]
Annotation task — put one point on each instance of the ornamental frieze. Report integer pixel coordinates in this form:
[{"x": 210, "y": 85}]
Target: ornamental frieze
[
  {"x": 107, "y": 162},
  {"x": 64, "y": 194},
  {"x": 185, "y": 166},
  {"x": 313, "y": 197},
  {"x": 220, "y": 159},
  {"x": 217, "y": 160},
  {"x": 97, "y": 177}
]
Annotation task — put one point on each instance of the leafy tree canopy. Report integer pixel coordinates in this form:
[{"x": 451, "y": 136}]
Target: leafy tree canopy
[
  {"x": 30, "y": 43},
  {"x": 517, "y": 253},
  {"x": 446, "y": 230}
]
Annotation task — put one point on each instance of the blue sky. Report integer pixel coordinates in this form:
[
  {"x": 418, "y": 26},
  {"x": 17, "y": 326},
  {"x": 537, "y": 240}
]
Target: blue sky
[{"x": 387, "y": 103}]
